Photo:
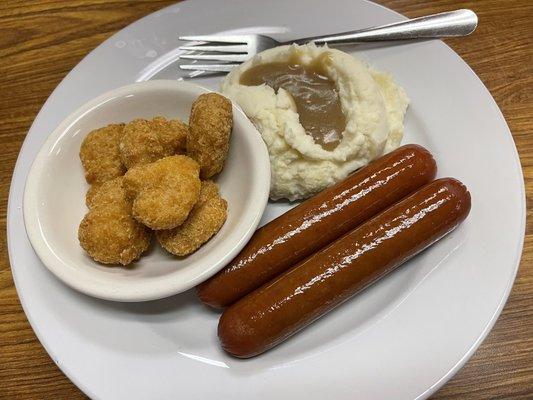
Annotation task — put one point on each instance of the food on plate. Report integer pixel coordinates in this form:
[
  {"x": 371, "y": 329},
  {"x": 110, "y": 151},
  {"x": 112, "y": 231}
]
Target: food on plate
[
  {"x": 313, "y": 94},
  {"x": 321, "y": 112},
  {"x": 141, "y": 180},
  {"x": 308, "y": 227},
  {"x": 145, "y": 141},
  {"x": 109, "y": 192},
  {"x": 205, "y": 220},
  {"x": 100, "y": 155},
  {"x": 211, "y": 122},
  {"x": 163, "y": 192},
  {"x": 318, "y": 284},
  {"x": 108, "y": 232}
]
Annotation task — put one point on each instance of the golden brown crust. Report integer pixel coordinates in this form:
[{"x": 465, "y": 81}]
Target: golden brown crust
[
  {"x": 108, "y": 232},
  {"x": 163, "y": 192},
  {"x": 111, "y": 236},
  {"x": 100, "y": 155},
  {"x": 145, "y": 141},
  {"x": 205, "y": 220},
  {"x": 108, "y": 192},
  {"x": 211, "y": 122}
]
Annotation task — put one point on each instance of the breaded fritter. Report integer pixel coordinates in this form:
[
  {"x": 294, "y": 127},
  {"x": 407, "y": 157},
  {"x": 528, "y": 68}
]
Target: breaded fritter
[
  {"x": 163, "y": 192},
  {"x": 108, "y": 192},
  {"x": 111, "y": 236},
  {"x": 145, "y": 141},
  {"x": 210, "y": 125},
  {"x": 100, "y": 154},
  {"x": 108, "y": 232},
  {"x": 205, "y": 219}
]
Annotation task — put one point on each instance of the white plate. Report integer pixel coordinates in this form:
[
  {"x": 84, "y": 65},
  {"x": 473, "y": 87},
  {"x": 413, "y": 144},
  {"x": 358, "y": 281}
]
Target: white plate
[
  {"x": 400, "y": 339},
  {"x": 52, "y": 214}
]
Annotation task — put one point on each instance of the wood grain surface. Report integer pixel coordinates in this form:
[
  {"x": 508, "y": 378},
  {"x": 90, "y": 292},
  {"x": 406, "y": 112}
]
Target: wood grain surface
[{"x": 42, "y": 40}]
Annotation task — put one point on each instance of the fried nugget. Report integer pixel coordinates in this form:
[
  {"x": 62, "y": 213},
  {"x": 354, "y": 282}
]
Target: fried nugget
[
  {"x": 108, "y": 232},
  {"x": 111, "y": 236},
  {"x": 205, "y": 219},
  {"x": 108, "y": 192},
  {"x": 146, "y": 141},
  {"x": 210, "y": 125},
  {"x": 163, "y": 192},
  {"x": 100, "y": 155}
]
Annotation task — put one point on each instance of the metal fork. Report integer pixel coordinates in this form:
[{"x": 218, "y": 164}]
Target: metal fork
[{"x": 235, "y": 49}]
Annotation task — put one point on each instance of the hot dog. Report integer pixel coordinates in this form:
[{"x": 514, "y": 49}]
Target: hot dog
[
  {"x": 318, "y": 221},
  {"x": 315, "y": 286}
]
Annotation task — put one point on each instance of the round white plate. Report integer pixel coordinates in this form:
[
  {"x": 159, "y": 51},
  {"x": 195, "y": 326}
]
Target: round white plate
[{"x": 401, "y": 339}]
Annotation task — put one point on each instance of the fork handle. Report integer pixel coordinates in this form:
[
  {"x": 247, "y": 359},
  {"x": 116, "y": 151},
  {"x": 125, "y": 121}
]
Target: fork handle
[{"x": 446, "y": 24}]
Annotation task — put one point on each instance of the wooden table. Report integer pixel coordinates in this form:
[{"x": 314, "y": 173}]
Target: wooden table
[{"x": 41, "y": 40}]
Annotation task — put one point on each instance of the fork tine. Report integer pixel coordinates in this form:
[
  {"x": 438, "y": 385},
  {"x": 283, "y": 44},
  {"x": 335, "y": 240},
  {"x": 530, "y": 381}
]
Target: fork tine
[
  {"x": 216, "y": 38},
  {"x": 216, "y": 57},
  {"x": 209, "y": 67},
  {"x": 224, "y": 48}
]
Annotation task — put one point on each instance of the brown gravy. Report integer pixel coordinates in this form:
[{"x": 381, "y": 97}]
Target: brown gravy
[{"x": 315, "y": 95}]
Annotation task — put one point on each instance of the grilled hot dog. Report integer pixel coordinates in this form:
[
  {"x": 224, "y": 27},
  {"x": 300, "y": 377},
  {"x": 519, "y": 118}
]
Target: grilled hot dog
[
  {"x": 318, "y": 221},
  {"x": 315, "y": 286}
]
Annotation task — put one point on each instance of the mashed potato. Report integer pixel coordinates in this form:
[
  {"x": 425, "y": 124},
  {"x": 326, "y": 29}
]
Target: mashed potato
[{"x": 373, "y": 105}]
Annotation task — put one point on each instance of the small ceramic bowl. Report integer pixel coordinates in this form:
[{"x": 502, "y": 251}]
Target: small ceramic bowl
[{"x": 54, "y": 198}]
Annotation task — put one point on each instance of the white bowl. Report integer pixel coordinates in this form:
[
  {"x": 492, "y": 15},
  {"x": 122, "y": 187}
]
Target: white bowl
[{"x": 55, "y": 192}]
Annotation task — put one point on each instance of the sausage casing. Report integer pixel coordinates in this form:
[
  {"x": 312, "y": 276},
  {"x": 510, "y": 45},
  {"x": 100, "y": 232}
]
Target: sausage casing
[
  {"x": 315, "y": 286},
  {"x": 318, "y": 221}
]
